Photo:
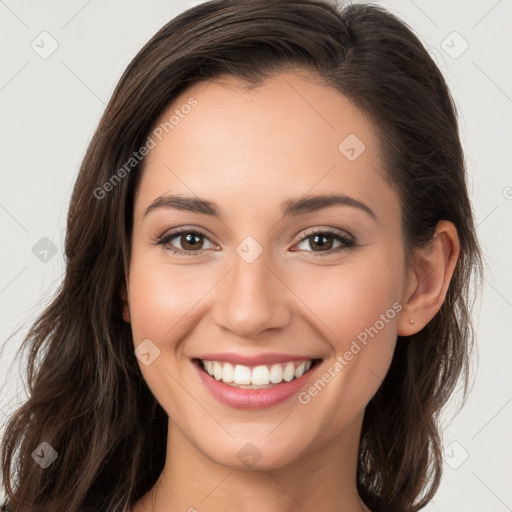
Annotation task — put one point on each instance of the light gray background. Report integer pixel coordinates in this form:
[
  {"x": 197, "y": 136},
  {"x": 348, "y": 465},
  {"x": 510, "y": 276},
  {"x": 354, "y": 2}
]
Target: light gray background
[{"x": 50, "y": 109}]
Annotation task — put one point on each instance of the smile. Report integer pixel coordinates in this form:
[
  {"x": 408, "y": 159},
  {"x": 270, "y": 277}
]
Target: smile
[
  {"x": 254, "y": 387},
  {"x": 257, "y": 377}
]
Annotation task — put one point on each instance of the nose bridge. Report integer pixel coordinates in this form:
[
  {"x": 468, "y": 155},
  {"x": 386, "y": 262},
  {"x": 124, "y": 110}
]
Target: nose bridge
[{"x": 253, "y": 298}]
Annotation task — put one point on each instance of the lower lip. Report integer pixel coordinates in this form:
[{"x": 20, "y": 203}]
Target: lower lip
[{"x": 243, "y": 398}]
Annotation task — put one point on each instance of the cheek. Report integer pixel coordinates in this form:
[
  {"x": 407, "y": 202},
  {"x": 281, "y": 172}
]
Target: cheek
[
  {"x": 349, "y": 298},
  {"x": 356, "y": 308},
  {"x": 162, "y": 302},
  {"x": 161, "y": 297}
]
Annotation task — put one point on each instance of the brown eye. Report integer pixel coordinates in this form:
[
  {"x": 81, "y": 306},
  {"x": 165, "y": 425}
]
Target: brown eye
[
  {"x": 191, "y": 241},
  {"x": 188, "y": 242},
  {"x": 323, "y": 242}
]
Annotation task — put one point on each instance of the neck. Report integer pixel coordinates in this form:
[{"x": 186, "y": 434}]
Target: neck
[{"x": 323, "y": 479}]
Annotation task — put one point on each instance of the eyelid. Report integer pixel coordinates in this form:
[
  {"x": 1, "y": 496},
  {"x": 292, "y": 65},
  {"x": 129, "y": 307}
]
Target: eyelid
[
  {"x": 325, "y": 230},
  {"x": 173, "y": 233},
  {"x": 347, "y": 240}
]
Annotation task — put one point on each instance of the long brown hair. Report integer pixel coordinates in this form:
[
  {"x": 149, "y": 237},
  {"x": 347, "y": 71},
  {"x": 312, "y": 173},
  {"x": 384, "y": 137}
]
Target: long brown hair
[{"x": 87, "y": 397}]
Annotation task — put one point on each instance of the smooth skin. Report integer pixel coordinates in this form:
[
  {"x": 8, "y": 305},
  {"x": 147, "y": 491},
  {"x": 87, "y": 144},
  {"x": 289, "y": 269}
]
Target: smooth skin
[{"x": 249, "y": 151}]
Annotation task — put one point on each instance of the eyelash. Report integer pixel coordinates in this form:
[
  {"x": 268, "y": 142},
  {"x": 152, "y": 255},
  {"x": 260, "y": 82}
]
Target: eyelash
[{"x": 347, "y": 243}]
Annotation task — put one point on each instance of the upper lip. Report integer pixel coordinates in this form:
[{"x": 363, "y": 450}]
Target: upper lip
[{"x": 255, "y": 360}]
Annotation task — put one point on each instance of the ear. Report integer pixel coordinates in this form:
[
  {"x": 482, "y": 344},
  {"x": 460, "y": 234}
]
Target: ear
[
  {"x": 126, "y": 304},
  {"x": 428, "y": 279}
]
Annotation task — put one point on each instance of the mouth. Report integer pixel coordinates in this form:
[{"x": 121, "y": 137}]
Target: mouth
[{"x": 255, "y": 377}]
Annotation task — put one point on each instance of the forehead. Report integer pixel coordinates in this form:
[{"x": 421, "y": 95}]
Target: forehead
[{"x": 248, "y": 148}]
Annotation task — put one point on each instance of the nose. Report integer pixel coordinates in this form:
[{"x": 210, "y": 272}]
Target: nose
[{"x": 252, "y": 299}]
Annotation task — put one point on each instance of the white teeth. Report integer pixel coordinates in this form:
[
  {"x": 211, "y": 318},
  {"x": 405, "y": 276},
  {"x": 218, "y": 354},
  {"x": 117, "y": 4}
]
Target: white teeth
[
  {"x": 299, "y": 371},
  {"x": 217, "y": 370},
  {"x": 289, "y": 372},
  {"x": 228, "y": 372},
  {"x": 242, "y": 374},
  {"x": 258, "y": 376},
  {"x": 276, "y": 374}
]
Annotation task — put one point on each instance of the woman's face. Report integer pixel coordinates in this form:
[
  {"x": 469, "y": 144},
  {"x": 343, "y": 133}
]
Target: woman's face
[{"x": 273, "y": 277}]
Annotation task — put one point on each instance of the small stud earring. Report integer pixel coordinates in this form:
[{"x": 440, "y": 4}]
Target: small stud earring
[{"x": 411, "y": 321}]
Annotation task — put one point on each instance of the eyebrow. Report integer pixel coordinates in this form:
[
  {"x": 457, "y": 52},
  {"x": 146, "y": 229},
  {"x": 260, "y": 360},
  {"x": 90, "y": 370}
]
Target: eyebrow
[{"x": 292, "y": 207}]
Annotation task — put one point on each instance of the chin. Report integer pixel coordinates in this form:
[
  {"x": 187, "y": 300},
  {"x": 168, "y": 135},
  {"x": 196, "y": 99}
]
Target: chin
[{"x": 251, "y": 455}]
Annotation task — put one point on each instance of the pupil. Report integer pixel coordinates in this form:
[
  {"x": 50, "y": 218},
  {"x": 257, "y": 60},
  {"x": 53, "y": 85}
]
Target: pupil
[
  {"x": 317, "y": 237},
  {"x": 319, "y": 240},
  {"x": 188, "y": 239}
]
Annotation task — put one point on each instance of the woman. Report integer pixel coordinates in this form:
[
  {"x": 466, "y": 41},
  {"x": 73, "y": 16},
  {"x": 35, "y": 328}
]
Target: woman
[{"x": 269, "y": 254}]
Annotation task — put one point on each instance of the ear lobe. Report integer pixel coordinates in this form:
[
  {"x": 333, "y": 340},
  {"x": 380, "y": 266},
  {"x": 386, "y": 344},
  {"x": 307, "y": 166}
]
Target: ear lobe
[
  {"x": 126, "y": 305},
  {"x": 429, "y": 279}
]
